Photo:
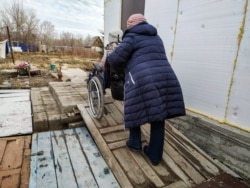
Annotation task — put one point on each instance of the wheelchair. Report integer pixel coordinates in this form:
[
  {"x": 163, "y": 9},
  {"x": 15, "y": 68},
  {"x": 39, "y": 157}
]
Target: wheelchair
[{"x": 99, "y": 80}]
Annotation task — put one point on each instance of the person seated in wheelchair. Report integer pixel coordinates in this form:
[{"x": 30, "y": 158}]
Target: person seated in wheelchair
[
  {"x": 114, "y": 40},
  {"x": 112, "y": 79}
]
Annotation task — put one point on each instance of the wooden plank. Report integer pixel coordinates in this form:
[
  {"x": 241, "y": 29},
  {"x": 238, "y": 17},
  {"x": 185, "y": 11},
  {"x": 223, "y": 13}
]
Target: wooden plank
[
  {"x": 4, "y": 91},
  {"x": 15, "y": 124},
  {"x": 25, "y": 170},
  {"x": 64, "y": 172},
  {"x": 116, "y": 145},
  {"x": 36, "y": 97},
  {"x": 15, "y": 97},
  {"x": 12, "y": 158},
  {"x": 15, "y": 108},
  {"x": 160, "y": 169},
  {"x": 168, "y": 160},
  {"x": 15, "y": 115},
  {"x": 119, "y": 105},
  {"x": 108, "y": 99},
  {"x": 14, "y": 94},
  {"x": 101, "y": 122},
  {"x": 2, "y": 149},
  {"x": 109, "y": 120},
  {"x": 122, "y": 143},
  {"x": 103, "y": 174},
  {"x": 10, "y": 172},
  {"x": 182, "y": 162},
  {"x": 205, "y": 160},
  {"x": 33, "y": 162},
  {"x": 176, "y": 169},
  {"x": 193, "y": 157},
  {"x": 45, "y": 167},
  {"x": 82, "y": 171},
  {"x": 111, "y": 129},
  {"x": 116, "y": 136},
  {"x": 27, "y": 141},
  {"x": 130, "y": 167},
  {"x": 148, "y": 171},
  {"x": 178, "y": 184},
  {"x": 10, "y": 179},
  {"x": 115, "y": 113},
  {"x": 14, "y": 166},
  {"x": 107, "y": 154},
  {"x": 223, "y": 180}
]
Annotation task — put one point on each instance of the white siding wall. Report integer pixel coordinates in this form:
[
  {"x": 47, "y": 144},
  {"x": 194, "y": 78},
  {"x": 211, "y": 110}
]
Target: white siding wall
[
  {"x": 112, "y": 17},
  {"x": 203, "y": 46},
  {"x": 239, "y": 103},
  {"x": 163, "y": 16}
]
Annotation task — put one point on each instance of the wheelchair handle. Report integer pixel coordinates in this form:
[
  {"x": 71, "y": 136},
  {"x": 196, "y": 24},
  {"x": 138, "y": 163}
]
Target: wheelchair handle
[{"x": 97, "y": 67}]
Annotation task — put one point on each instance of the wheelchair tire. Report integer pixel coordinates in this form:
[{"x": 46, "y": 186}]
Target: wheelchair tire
[{"x": 96, "y": 97}]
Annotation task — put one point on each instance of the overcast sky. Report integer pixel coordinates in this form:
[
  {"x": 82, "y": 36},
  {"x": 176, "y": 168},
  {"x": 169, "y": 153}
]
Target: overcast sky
[{"x": 75, "y": 16}]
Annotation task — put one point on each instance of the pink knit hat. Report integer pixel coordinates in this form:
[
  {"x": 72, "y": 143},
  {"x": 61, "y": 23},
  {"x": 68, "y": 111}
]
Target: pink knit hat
[{"x": 135, "y": 19}]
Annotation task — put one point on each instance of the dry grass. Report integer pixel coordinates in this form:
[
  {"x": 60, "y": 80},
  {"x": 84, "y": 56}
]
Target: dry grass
[{"x": 44, "y": 61}]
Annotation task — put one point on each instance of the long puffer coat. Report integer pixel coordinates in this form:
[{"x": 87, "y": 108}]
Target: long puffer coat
[{"x": 151, "y": 90}]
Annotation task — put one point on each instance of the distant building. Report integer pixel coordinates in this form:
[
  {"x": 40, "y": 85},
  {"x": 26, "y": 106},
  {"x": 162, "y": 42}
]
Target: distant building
[
  {"x": 22, "y": 47},
  {"x": 95, "y": 44},
  {"x": 42, "y": 48}
]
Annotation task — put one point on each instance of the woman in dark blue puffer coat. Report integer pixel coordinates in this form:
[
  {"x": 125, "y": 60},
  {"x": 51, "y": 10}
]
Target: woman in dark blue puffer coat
[{"x": 152, "y": 92}]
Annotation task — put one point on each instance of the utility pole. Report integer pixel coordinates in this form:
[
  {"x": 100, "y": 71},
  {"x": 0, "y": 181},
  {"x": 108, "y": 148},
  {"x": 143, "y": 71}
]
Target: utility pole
[{"x": 12, "y": 55}]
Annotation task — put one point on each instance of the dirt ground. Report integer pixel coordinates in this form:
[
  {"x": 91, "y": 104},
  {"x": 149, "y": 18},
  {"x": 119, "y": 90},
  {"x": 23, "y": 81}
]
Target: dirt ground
[{"x": 11, "y": 80}]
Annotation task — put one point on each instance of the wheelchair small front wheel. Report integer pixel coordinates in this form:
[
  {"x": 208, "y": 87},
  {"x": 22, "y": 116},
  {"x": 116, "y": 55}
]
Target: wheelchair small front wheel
[{"x": 96, "y": 97}]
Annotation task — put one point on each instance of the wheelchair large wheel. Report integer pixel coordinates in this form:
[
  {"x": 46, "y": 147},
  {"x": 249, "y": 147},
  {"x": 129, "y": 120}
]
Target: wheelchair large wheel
[{"x": 96, "y": 97}]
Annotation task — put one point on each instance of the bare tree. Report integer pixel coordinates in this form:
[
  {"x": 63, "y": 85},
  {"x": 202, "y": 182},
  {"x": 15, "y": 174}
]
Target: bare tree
[
  {"x": 47, "y": 33},
  {"x": 22, "y": 23},
  {"x": 79, "y": 42},
  {"x": 67, "y": 39},
  {"x": 24, "y": 27},
  {"x": 87, "y": 40},
  {"x": 30, "y": 36}
]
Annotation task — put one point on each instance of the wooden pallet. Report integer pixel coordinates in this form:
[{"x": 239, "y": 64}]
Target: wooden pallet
[
  {"x": 15, "y": 161},
  {"x": 183, "y": 164},
  {"x": 68, "y": 158}
]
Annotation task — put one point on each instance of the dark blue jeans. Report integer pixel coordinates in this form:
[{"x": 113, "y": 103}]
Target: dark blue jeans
[{"x": 156, "y": 142}]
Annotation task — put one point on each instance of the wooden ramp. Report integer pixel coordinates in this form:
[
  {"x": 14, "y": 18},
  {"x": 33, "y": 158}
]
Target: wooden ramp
[
  {"x": 183, "y": 165},
  {"x": 68, "y": 159},
  {"x": 15, "y": 112}
]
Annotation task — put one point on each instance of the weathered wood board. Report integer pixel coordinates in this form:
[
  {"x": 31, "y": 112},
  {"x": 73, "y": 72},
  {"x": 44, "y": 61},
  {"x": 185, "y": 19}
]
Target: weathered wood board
[
  {"x": 183, "y": 164},
  {"x": 15, "y": 112},
  {"x": 15, "y": 161},
  {"x": 68, "y": 158}
]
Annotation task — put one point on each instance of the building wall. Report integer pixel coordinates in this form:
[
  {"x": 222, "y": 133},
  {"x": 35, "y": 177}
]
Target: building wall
[
  {"x": 112, "y": 17},
  {"x": 206, "y": 43}
]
